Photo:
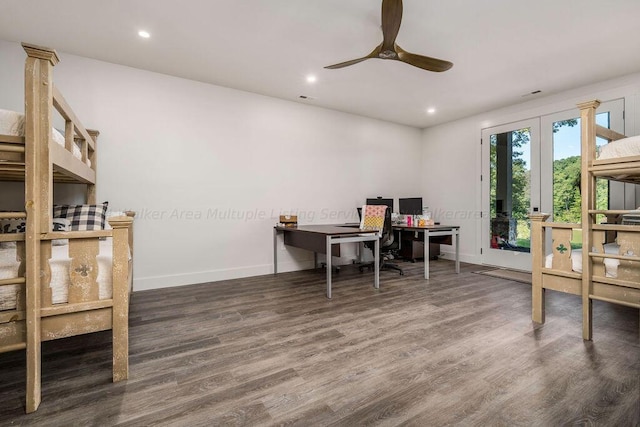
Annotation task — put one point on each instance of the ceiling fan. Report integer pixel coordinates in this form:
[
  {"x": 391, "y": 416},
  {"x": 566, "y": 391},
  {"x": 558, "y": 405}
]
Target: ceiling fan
[{"x": 388, "y": 49}]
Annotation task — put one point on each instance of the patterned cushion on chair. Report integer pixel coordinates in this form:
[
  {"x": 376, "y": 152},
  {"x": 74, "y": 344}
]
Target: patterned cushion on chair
[
  {"x": 83, "y": 217},
  {"x": 373, "y": 217}
]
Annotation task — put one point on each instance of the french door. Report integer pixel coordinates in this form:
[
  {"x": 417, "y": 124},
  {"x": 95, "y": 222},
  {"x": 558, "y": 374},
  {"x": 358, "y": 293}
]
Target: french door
[
  {"x": 510, "y": 191},
  {"x": 534, "y": 166}
]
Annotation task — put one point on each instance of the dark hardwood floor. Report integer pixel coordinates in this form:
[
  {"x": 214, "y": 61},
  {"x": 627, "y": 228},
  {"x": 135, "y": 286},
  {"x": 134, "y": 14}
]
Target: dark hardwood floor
[{"x": 271, "y": 350}]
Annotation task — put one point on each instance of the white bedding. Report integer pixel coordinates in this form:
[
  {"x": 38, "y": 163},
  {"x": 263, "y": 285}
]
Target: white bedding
[
  {"x": 59, "y": 262},
  {"x": 622, "y": 148},
  {"x": 12, "y": 123},
  {"x": 610, "y": 265}
]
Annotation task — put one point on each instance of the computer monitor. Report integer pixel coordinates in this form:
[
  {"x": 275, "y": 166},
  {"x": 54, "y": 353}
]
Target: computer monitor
[
  {"x": 410, "y": 206},
  {"x": 381, "y": 201}
]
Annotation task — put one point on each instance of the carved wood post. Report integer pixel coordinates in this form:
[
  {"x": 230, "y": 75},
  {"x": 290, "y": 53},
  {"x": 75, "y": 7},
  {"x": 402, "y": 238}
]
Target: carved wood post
[
  {"x": 120, "y": 227},
  {"x": 538, "y": 257},
  {"x": 588, "y": 185},
  {"x": 38, "y": 198}
]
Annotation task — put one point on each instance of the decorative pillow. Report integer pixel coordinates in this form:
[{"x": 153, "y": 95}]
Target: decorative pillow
[
  {"x": 373, "y": 217},
  {"x": 83, "y": 217},
  {"x": 13, "y": 225},
  {"x": 20, "y": 226},
  {"x": 60, "y": 224}
]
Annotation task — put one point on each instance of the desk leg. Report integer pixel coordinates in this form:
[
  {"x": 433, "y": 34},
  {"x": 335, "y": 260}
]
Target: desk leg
[
  {"x": 376, "y": 264},
  {"x": 426, "y": 254},
  {"x": 329, "y": 267},
  {"x": 275, "y": 251},
  {"x": 458, "y": 251}
]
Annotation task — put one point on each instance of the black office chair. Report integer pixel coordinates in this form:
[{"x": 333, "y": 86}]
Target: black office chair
[{"x": 388, "y": 246}]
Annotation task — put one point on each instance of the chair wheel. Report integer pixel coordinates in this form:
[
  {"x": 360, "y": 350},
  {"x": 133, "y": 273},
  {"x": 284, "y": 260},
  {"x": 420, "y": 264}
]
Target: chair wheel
[
  {"x": 361, "y": 269},
  {"x": 402, "y": 273}
]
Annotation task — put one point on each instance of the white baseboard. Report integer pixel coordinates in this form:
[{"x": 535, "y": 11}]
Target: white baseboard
[
  {"x": 182, "y": 279},
  {"x": 451, "y": 255}
]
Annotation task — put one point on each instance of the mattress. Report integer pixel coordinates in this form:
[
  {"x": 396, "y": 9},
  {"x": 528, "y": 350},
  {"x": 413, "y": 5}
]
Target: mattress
[
  {"x": 621, "y": 148},
  {"x": 12, "y": 123},
  {"x": 610, "y": 265},
  {"x": 60, "y": 280}
]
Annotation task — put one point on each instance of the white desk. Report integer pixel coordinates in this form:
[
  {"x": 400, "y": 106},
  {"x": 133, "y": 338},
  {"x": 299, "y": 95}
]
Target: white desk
[{"x": 434, "y": 231}]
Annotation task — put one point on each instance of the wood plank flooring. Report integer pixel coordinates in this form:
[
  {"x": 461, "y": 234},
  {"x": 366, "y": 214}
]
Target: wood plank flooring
[{"x": 272, "y": 350}]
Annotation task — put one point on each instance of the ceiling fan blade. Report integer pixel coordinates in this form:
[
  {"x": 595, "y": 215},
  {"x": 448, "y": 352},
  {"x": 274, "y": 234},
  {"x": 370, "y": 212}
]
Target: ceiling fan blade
[
  {"x": 391, "y": 20},
  {"x": 346, "y": 63},
  {"x": 373, "y": 54},
  {"x": 424, "y": 62}
]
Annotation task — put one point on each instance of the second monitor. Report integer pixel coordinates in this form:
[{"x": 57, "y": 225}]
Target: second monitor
[{"x": 410, "y": 206}]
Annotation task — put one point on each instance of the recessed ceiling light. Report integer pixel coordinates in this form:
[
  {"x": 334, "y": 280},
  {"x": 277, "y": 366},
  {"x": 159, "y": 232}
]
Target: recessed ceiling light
[
  {"x": 311, "y": 78},
  {"x": 144, "y": 34},
  {"x": 431, "y": 110}
]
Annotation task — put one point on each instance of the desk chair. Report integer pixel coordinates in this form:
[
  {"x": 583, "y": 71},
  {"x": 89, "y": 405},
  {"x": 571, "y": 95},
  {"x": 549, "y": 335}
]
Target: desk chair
[{"x": 379, "y": 217}]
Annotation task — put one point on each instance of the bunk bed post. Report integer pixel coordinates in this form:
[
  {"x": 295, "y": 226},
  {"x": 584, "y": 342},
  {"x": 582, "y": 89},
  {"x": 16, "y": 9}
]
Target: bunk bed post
[
  {"x": 38, "y": 197},
  {"x": 120, "y": 264},
  {"x": 93, "y": 158},
  {"x": 588, "y": 186},
  {"x": 537, "y": 252}
]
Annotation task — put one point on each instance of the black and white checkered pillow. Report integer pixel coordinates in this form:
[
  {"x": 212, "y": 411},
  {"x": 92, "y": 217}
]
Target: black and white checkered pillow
[{"x": 83, "y": 217}]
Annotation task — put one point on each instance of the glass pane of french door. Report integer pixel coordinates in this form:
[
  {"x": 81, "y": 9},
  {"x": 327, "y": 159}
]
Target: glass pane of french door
[
  {"x": 567, "y": 198},
  {"x": 561, "y": 164},
  {"x": 512, "y": 188}
]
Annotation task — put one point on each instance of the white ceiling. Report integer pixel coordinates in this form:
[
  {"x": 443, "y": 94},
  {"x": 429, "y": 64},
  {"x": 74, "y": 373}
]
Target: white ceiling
[{"x": 501, "y": 49}]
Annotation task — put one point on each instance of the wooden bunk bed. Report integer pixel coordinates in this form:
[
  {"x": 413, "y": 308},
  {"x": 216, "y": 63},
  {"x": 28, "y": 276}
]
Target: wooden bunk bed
[
  {"x": 607, "y": 267},
  {"x": 39, "y": 161}
]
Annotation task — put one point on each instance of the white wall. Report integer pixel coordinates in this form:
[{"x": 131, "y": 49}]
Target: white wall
[
  {"x": 452, "y": 155},
  {"x": 209, "y": 169}
]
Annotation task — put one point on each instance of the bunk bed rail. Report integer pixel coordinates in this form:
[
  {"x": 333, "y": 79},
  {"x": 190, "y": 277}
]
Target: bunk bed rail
[
  {"x": 72, "y": 156},
  {"x": 561, "y": 270},
  {"x": 84, "y": 311}
]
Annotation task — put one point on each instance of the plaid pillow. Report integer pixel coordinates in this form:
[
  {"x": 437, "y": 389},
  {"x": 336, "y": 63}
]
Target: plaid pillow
[{"x": 83, "y": 217}]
